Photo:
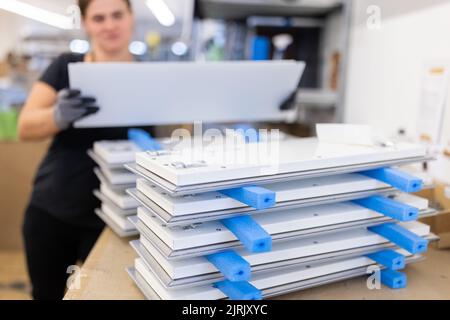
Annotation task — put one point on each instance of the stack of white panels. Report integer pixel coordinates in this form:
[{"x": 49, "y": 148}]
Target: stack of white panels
[
  {"x": 116, "y": 205},
  {"x": 318, "y": 231}
]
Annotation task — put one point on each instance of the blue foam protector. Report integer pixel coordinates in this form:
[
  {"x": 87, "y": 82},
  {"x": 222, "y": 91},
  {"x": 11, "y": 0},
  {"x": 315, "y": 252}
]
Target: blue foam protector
[
  {"x": 402, "y": 237},
  {"x": 393, "y": 279},
  {"x": 254, "y": 238},
  {"x": 253, "y": 196},
  {"x": 389, "y": 207},
  {"x": 396, "y": 178},
  {"x": 388, "y": 258},
  {"x": 239, "y": 290},
  {"x": 232, "y": 266},
  {"x": 144, "y": 140}
]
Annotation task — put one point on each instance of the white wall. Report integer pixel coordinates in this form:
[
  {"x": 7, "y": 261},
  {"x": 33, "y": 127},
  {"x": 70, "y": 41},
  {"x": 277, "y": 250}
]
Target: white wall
[{"x": 385, "y": 65}]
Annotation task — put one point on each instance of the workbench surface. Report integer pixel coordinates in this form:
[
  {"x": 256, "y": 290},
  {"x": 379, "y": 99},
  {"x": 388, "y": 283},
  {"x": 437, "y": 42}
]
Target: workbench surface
[{"x": 104, "y": 277}]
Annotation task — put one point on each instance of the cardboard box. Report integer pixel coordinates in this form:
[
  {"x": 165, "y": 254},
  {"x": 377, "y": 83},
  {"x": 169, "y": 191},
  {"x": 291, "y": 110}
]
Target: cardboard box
[
  {"x": 440, "y": 224},
  {"x": 4, "y": 69},
  {"x": 18, "y": 164}
]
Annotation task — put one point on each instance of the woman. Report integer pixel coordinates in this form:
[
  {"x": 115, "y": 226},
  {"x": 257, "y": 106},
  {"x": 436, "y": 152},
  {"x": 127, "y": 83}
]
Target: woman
[{"x": 60, "y": 226}]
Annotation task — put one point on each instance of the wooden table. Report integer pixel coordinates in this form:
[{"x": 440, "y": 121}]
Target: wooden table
[{"x": 104, "y": 277}]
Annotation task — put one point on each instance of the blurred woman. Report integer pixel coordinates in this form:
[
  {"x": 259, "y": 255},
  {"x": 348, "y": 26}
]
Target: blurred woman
[{"x": 60, "y": 225}]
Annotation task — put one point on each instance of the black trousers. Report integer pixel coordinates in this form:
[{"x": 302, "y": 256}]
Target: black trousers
[{"x": 52, "y": 246}]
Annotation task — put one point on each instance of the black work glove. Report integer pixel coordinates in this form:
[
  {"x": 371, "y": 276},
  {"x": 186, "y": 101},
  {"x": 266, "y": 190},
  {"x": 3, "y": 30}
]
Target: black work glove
[
  {"x": 289, "y": 102},
  {"x": 71, "y": 106}
]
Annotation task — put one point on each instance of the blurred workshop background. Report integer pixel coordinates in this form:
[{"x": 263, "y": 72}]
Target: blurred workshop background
[{"x": 359, "y": 70}]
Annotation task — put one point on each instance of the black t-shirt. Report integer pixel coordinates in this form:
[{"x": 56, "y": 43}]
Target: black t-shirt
[{"x": 65, "y": 180}]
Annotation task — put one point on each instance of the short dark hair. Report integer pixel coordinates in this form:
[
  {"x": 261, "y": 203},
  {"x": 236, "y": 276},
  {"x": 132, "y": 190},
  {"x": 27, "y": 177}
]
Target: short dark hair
[{"x": 84, "y": 4}]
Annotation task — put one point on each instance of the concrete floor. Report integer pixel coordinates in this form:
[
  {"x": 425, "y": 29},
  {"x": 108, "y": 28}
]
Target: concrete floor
[{"x": 14, "y": 284}]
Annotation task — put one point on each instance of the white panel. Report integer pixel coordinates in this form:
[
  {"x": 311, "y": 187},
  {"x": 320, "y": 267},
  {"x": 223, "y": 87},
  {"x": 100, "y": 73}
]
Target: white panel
[
  {"x": 114, "y": 210},
  {"x": 120, "y": 198},
  {"x": 295, "y": 155},
  {"x": 285, "y": 191},
  {"x": 261, "y": 282},
  {"x": 132, "y": 94},
  {"x": 178, "y": 238},
  {"x": 116, "y": 151},
  {"x": 120, "y": 220},
  {"x": 119, "y": 176},
  {"x": 283, "y": 251},
  {"x": 114, "y": 226}
]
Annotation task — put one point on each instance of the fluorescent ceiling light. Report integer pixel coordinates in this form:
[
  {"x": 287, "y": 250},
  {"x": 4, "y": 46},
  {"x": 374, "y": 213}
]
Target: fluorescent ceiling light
[
  {"x": 38, "y": 14},
  {"x": 161, "y": 12}
]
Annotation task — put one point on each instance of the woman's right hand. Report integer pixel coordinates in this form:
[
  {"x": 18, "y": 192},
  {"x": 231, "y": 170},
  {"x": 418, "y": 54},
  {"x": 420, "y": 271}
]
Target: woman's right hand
[{"x": 71, "y": 106}]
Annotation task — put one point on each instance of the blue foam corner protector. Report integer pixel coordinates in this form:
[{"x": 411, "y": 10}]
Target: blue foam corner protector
[
  {"x": 402, "y": 237},
  {"x": 239, "y": 290},
  {"x": 144, "y": 140},
  {"x": 396, "y": 178},
  {"x": 254, "y": 238},
  {"x": 389, "y": 207},
  {"x": 393, "y": 279},
  {"x": 389, "y": 258},
  {"x": 253, "y": 196},
  {"x": 232, "y": 266}
]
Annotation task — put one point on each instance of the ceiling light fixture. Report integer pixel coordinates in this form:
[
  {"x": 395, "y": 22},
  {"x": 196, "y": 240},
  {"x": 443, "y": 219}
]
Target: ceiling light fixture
[
  {"x": 38, "y": 14},
  {"x": 161, "y": 12}
]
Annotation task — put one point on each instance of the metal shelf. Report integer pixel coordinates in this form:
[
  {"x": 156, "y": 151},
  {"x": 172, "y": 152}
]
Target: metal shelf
[
  {"x": 317, "y": 98},
  {"x": 241, "y": 9}
]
